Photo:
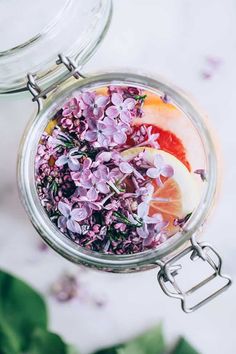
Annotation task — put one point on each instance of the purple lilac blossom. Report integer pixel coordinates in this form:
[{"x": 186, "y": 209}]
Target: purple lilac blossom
[
  {"x": 88, "y": 189},
  {"x": 121, "y": 108},
  {"x": 159, "y": 169},
  {"x": 70, "y": 218}
]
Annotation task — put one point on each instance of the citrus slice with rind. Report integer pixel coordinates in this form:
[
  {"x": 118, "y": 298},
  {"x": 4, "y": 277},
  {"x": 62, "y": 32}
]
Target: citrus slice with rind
[
  {"x": 171, "y": 118},
  {"x": 178, "y": 196}
]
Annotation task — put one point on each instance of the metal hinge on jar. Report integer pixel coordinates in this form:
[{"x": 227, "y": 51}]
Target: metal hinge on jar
[
  {"x": 170, "y": 270},
  {"x": 38, "y": 93}
]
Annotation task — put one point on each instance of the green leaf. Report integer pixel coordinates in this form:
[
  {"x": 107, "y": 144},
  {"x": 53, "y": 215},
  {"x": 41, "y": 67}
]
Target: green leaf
[
  {"x": 9, "y": 342},
  {"x": 111, "y": 350},
  {"x": 70, "y": 349},
  {"x": 183, "y": 347},
  {"x": 151, "y": 342},
  {"x": 43, "y": 342},
  {"x": 21, "y": 310}
]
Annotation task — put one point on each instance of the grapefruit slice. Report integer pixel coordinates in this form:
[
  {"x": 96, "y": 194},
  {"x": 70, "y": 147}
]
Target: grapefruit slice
[
  {"x": 178, "y": 196},
  {"x": 168, "y": 117}
]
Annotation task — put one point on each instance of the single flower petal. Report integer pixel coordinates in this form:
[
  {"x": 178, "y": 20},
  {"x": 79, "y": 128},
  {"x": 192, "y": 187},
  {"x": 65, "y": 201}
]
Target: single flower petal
[
  {"x": 66, "y": 112},
  {"x": 153, "y": 219},
  {"x": 129, "y": 103},
  {"x": 78, "y": 214},
  {"x": 101, "y": 101},
  {"x": 119, "y": 137},
  {"x": 73, "y": 165},
  {"x": 87, "y": 163},
  {"x": 104, "y": 156},
  {"x": 102, "y": 187},
  {"x": 103, "y": 141},
  {"x": 73, "y": 226},
  {"x": 62, "y": 160},
  {"x": 92, "y": 194},
  {"x": 142, "y": 231},
  {"x": 90, "y": 135},
  {"x": 147, "y": 241},
  {"x": 98, "y": 112},
  {"x": 132, "y": 219},
  {"x": 109, "y": 121},
  {"x": 142, "y": 210},
  {"x": 75, "y": 176},
  {"x": 125, "y": 116},
  {"x": 61, "y": 222},
  {"x": 158, "y": 161},
  {"x": 80, "y": 192},
  {"x": 159, "y": 181},
  {"x": 109, "y": 130},
  {"x": 125, "y": 167},
  {"x": 112, "y": 112},
  {"x": 167, "y": 171},
  {"x": 88, "y": 97},
  {"x": 153, "y": 172},
  {"x": 116, "y": 99},
  {"x": 64, "y": 209}
]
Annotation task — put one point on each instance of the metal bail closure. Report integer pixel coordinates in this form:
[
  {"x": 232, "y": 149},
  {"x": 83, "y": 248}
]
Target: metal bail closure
[
  {"x": 38, "y": 93},
  {"x": 169, "y": 271}
]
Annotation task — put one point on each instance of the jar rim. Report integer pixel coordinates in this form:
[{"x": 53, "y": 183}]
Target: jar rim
[
  {"x": 51, "y": 233},
  {"x": 78, "y": 43}
]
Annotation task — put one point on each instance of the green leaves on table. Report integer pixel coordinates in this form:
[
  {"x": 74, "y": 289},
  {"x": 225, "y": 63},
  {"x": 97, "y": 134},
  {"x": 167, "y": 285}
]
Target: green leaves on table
[
  {"x": 183, "y": 347},
  {"x": 46, "y": 342},
  {"x": 151, "y": 342},
  {"x": 24, "y": 327},
  {"x": 24, "y": 320}
]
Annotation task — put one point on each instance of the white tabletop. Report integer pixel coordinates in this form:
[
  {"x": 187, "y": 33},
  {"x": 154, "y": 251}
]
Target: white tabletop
[{"x": 171, "y": 38}]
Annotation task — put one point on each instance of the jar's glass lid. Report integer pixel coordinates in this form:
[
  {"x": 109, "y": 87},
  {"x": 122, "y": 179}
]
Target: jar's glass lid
[{"x": 34, "y": 33}]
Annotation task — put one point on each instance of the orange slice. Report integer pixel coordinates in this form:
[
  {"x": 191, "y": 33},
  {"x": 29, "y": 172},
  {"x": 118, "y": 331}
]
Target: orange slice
[{"x": 178, "y": 196}]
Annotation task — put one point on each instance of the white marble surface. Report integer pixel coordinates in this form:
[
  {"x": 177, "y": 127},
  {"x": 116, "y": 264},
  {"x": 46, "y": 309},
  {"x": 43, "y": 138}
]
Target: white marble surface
[{"x": 171, "y": 38}]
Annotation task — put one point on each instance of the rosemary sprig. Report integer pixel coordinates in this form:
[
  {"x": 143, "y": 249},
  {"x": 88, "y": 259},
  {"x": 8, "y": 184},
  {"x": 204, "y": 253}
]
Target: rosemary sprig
[
  {"x": 126, "y": 221},
  {"x": 54, "y": 187}
]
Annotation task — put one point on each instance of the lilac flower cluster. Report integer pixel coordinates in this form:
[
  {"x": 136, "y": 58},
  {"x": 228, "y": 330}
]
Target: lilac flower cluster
[{"x": 88, "y": 188}]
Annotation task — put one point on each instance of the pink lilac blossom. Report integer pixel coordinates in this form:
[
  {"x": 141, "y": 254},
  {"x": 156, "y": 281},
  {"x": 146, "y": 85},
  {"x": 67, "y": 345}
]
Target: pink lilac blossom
[
  {"x": 151, "y": 139},
  {"x": 88, "y": 199},
  {"x": 106, "y": 132},
  {"x": 95, "y": 196},
  {"x": 70, "y": 218},
  {"x": 71, "y": 158},
  {"x": 159, "y": 169},
  {"x": 95, "y": 104},
  {"x": 72, "y": 108},
  {"x": 121, "y": 108}
]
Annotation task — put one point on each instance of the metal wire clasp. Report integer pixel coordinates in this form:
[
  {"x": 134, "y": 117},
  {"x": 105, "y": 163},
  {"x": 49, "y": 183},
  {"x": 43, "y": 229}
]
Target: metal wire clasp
[
  {"x": 169, "y": 270},
  {"x": 39, "y": 93}
]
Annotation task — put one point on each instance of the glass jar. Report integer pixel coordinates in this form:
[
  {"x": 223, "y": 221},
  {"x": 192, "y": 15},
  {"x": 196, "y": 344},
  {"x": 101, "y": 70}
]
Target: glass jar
[{"x": 51, "y": 86}]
